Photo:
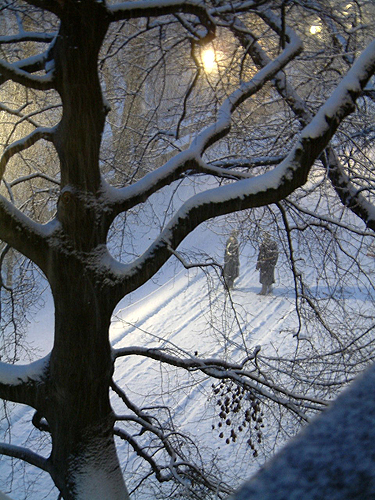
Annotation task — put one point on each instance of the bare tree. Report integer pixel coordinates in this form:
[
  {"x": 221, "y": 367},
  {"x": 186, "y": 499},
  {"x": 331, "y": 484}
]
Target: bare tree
[{"x": 240, "y": 144}]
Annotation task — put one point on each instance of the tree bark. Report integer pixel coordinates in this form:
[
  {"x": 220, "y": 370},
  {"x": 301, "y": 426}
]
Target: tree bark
[
  {"x": 78, "y": 137},
  {"x": 77, "y": 406}
]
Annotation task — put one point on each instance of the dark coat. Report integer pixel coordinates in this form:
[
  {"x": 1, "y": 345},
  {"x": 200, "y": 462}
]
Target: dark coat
[
  {"x": 231, "y": 261},
  {"x": 267, "y": 258}
]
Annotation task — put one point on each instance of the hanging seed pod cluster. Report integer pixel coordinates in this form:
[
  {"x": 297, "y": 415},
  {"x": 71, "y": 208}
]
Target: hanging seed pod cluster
[{"x": 238, "y": 411}]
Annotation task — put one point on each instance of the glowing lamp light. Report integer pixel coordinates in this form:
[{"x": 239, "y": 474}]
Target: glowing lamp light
[
  {"x": 315, "y": 29},
  {"x": 209, "y": 60}
]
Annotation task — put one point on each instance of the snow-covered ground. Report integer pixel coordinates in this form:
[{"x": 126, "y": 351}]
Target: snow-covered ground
[
  {"x": 179, "y": 308},
  {"x": 186, "y": 310}
]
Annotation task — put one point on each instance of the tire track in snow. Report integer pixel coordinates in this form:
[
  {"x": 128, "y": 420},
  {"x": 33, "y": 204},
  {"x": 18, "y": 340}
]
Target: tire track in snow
[
  {"x": 136, "y": 316},
  {"x": 180, "y": 306}
]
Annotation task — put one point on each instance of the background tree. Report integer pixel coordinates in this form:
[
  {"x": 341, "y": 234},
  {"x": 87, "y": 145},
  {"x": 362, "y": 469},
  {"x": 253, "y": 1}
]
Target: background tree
[{"x": 264, "y": 141}]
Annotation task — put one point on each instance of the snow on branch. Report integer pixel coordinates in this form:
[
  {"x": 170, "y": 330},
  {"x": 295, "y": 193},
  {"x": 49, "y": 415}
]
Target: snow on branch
[
  {"x": 35, "y": 175},
  {"x": 25, "y": 235},
  {"x": 23, "y": 144},
  {"x": 28, "y": 36},
  {"x": 247, "y": 163},
  {"x": 11, "y": 450},
  {"x": 189, "y": 265},
  {"x": 150, "y": 8},
  {"x": 14, "y": 375},
  {"x": 16, "y": 73},
  {"x": 270, "y": 187},
  {"x": 191, "y": 159},
  {"x": 349, "y": 194},
  {"x": 261, "y": 59},
  {"x": 23, "y": 383},
  {"x": 236, "y": 372},
  {"x": 18, "y": 112}
]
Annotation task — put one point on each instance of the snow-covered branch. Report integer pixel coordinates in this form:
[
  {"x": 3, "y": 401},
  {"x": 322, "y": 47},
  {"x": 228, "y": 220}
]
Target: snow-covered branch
[
  {"x": 28, "y": 36},
  {"x": 18, "y": 374},
  {"x": 24, "y": 234},
  {"x": 239, "y": 373},
  {"x": 191, "y": 159},
  {"x": 21, "y": 383},
  {"x": 348, "y": 193},
  {"x": 35, "y": 175},
  {"x": 11, "y": 450},
  {"x": 23, "y": 144},
  {"x": 15, "y": 73},
  {"x": 162, "y": 355},
  {"x": 189, "y": 265},
  {"x": 246, "y": 163},
  {"x": 147, "y": 8},
  {"x": 265, "y": 189}
]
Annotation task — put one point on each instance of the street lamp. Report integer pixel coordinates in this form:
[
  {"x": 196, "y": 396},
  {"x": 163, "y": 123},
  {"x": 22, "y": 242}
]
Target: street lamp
[{"x": 209, "y": 60}]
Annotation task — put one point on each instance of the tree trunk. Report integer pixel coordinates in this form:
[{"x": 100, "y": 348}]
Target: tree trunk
[
  {"x": 76, "y": 403},
  {"x": 77, "y": 407},
  {"x": 91, "y": 471}
]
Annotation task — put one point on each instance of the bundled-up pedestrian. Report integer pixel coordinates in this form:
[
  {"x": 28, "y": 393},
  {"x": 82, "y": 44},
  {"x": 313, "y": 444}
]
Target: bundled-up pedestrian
[
  {"x": 231, "y": 260},
  {"x": 267, "y": 259}
]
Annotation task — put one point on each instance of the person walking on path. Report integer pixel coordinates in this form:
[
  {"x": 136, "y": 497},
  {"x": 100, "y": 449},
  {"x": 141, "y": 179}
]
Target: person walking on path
[
  {"x": 267, "y": 259},
  {"x": 231, "y": 260}
]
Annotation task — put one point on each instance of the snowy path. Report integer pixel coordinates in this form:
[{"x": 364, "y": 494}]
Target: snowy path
[
  {"x": 178, "y": 313},
  {"x": 189, "y": 312}
]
